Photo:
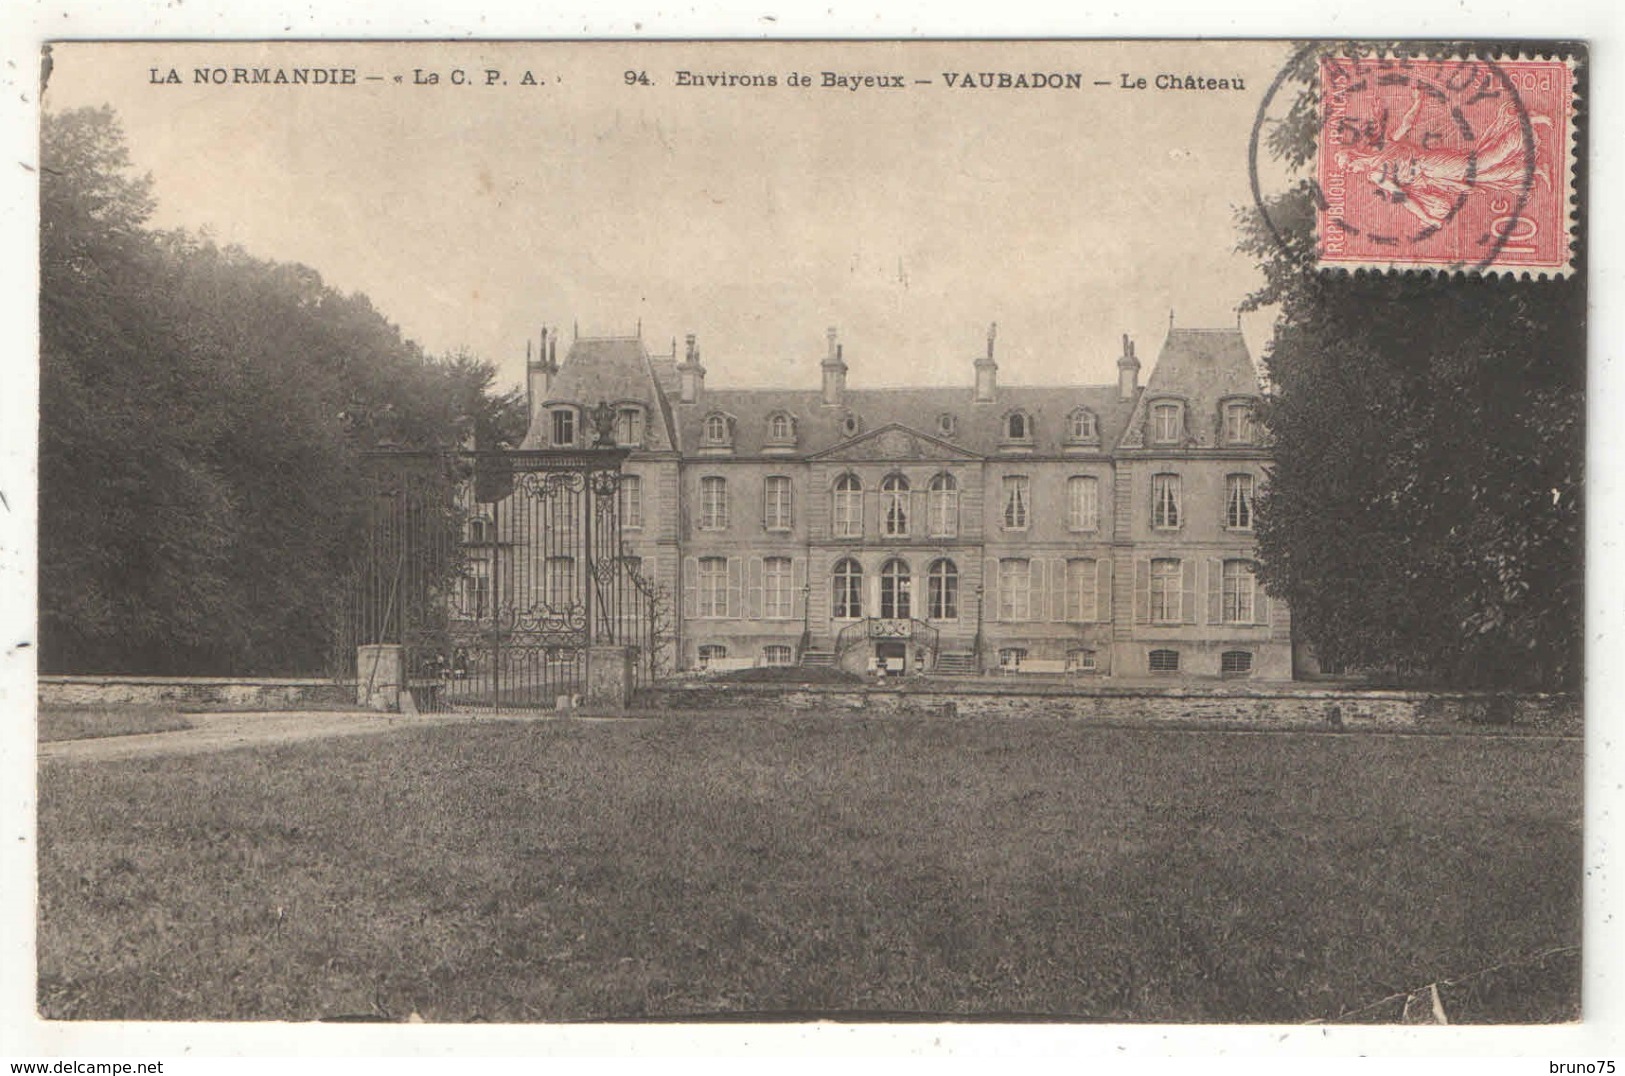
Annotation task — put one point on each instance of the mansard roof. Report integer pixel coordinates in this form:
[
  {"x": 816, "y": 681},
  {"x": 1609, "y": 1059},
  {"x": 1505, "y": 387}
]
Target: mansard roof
[
  {"x": 979, "y": 427},
  {"x": 1200, "y": 367},
  {"x": 614, "y": 369}
]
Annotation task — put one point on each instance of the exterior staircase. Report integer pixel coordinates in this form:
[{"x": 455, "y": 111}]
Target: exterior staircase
[
  {"x": 955, "y": 663},
  {"x": 818, "y": 659}
]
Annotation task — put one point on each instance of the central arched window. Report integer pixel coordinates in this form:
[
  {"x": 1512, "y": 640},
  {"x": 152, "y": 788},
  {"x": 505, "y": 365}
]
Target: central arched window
[
  {"x": 943, "y": 506},
  {"x": 1018, "y": 426},
  {"x": 716, "y": 429},
  {"x": 894, "y": 505},
  {"x": 779, "y": 427},
  {"x": 1082, "y": 426},
  {"x": 848, "y": 592},
  {"x": 942, "y": 591},
  {"x": 848, "y": 507},
  {"x": 895, "y": 585}
]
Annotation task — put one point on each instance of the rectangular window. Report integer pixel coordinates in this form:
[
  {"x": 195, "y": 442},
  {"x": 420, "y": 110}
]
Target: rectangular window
[
  {"x": 629, "y": 427},
  {"x": 1238, "y": 500},
  {"x": 1015, "y": 589},
  {"x": 1011, "y": 657},
  {"x": 1081, "y": 661},
  {"x": 1238, "y": 592},
  {"x": 1164, "y": 661},
  {"x": 631, "y": 501},
  {"x": 848, "y": 507},
  {"x": 1082, "y": 503},
  {"x": 1017, "y": 502},
  {"x": 713, "y": 504},
  {"x": 564, "y": 427},
  {"x": 713, "y": 583},
  {"x": 1080, "y": 590},
  {"x": 711, "y": 652},
  {"x": 944, "y": 507},
  {"x": 1238, "y": 424},
  {"x": 1165, "y": 590},
  {"x": 477, "y": 590},
  {"x": 776, "y": 595},
  {"x": 1165, "y": 501},
  {"x": 778, "y": 655},
  {"x": 1166, "y": 420},
  {"x": 777, "y": 503}
]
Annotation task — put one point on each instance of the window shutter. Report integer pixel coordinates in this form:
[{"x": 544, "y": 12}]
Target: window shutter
[
  {"x": 1103, "y": 590},
  {"x": 917, "y": 524},
  {"x": 1187, "y": 599},
  {"x": 1261, "y": 604},
  {"x": 990, "y": 590},
  {"x": 1215, "y": 591},
  {"x": 753, "y": 592},
  {"x": 691, "y": 575},
  {"x": 1142, "y": 590},
  {"x": 798, "y": 583},
  {"x": 1061, "y": 605},
  {"x": 1067, "y": 592},
  {"x": 790, "y": 503},
  {"x": 767, "y": 486},
  {"x": 736, "y": 571},
  {"x": 1037, "y": 593}
]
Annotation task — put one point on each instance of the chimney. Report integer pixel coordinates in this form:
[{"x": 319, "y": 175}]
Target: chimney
[
  {"x": 539, "y": 373},
  {"x": 690, "y": 374},
  {"x": 1128, "y": 371},
  {"x": 834, "y": 365},
  {"x": 987, "y": 371}
]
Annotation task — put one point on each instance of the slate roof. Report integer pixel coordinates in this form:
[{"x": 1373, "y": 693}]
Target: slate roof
[{"x": 1202, "y": 366}]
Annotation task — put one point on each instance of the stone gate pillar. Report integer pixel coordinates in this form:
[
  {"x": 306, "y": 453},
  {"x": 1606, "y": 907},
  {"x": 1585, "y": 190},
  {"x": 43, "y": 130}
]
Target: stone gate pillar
[
  {"x": 380, "y": 670},
  {"x": 609, "y": 677}
]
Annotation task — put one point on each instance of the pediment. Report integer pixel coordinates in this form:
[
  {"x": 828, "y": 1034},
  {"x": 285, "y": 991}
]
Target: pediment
[{"x": 894, "y": 442}]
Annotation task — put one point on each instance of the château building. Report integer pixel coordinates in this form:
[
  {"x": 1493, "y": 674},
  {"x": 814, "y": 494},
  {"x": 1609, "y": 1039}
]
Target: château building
[{"x": 1097, "y": 530}]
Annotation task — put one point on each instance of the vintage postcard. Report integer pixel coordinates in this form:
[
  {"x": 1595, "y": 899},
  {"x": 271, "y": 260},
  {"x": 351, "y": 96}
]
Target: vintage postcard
[{"x": 814, "y": 532}]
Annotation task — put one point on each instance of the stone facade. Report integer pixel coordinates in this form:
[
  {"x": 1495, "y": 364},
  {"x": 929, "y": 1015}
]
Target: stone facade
[{"x": 1103, "y": 530}]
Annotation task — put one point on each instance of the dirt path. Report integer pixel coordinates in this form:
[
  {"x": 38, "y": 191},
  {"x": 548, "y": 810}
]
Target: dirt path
[{"x": 223, "y": 732}]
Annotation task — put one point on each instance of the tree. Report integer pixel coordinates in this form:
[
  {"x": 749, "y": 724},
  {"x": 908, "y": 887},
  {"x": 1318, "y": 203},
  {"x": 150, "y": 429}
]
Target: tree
[
  {"x": 204, "y": 415},
  {"x": 1424, "y": 514}
]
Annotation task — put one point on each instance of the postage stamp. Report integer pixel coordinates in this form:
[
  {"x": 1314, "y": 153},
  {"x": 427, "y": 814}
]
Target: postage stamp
[{"x": 1456, "y": 164}]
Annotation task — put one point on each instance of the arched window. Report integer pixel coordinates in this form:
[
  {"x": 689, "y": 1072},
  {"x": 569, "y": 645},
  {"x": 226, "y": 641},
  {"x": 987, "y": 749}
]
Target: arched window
[
  {"x": 780, "y": 428},
  {"x": 943, "y": 506},
  {"x": 1082, "y": 425},
  {"x": 848, "y": 507},
  {"x": 1164, "y": 661},
  {"x": 848, "y": 593},
  {"x": 895, "y": 585},
  {"x": 716, "y": 429},
  {"x": 1236, "y": 593},
  {"x": 1018, "y": 426},
  {"x": 1235, "y": 663},
  {"x": 894, "y": 505},
  {"x": 1167, "y": 422},
  {"x": 1083, "y": 503},
  {"x": 479, "y": 530},
  {"x": 942, "y": 591}
]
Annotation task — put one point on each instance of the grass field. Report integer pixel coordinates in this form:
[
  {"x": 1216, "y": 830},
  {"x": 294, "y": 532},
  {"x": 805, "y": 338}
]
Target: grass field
[
  {"x": 58, "y": 723},
  {"x": 710, "y": 865}
]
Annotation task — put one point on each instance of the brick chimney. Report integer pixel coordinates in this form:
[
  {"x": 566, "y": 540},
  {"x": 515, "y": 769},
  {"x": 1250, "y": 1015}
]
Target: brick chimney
[
  {"x": 987, "y": 371},
  {"x": 834, "y": 365},
  {"x": 1128, "y": 371},
  {"x": 690, "y": 374},
  {"x": 539, "y": 371}
]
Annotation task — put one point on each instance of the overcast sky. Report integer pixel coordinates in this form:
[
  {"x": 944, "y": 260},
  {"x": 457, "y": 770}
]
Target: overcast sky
[{"x": 909, "y": 218}]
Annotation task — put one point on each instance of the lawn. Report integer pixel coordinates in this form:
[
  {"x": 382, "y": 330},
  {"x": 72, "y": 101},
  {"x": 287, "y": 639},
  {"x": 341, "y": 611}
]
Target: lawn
[
  {"x": 88, "y": 722},
  {"x": 698, "y": 865}
]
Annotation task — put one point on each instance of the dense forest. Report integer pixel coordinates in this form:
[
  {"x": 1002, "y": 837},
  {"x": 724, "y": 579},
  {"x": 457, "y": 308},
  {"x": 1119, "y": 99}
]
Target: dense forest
[{"x": 202, "y": 418}]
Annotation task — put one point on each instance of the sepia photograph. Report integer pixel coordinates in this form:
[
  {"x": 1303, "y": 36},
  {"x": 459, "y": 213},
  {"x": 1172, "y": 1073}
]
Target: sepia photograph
[{"x": 825, "y": 531}]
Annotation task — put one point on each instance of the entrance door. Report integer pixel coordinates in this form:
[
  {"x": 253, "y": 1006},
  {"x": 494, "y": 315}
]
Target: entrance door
[{"x": 892, "y": 658}]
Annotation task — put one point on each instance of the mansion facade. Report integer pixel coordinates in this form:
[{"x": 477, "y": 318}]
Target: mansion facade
[{"x": 1095, "y": 530}]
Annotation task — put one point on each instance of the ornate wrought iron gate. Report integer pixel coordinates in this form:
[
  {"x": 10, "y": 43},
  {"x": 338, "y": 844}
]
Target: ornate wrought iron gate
[{"x": 498, "y": 572}]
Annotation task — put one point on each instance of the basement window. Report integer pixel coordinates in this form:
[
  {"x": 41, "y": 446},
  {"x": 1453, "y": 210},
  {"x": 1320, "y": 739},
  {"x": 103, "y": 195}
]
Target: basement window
[
  {"x": 1236, "y": 663},
  {"x": 1164, "y": 661}
]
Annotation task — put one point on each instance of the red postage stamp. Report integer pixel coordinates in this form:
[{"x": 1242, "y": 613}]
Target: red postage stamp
[{"x": 1445, "y": 164}]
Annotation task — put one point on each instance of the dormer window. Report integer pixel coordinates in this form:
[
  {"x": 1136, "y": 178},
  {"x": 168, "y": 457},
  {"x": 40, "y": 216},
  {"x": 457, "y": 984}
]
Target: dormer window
[
  {"x": 947, "y": 424},
  {"x": 629, "y": 427},
  {"x": 564, "y": 427},
  {"x": 479, "y": 531},
  {"x": 717, "y": 429},
  {"x": 781, "y": 428},
  {"x": 1238, "y": 423},
  {"x": 850, "y": 425},
  {"x": 1018, "y": 426},
  {"x": 1167, "y": 422},
  {"x": 1082, "y": 426}
]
